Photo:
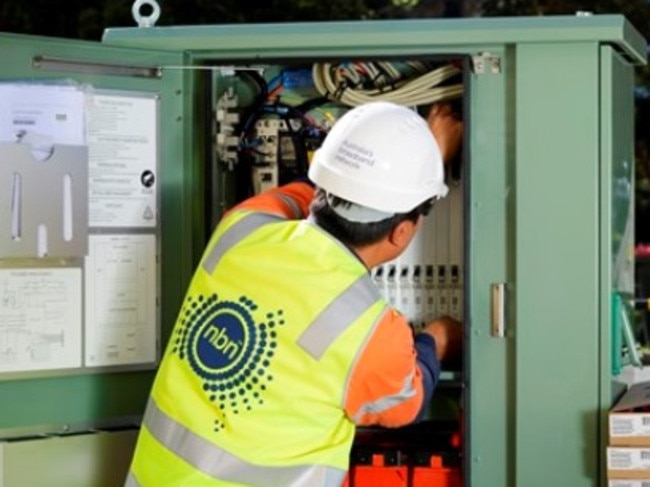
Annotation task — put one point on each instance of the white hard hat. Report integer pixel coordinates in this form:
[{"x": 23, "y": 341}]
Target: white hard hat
[{"x": 381, "y": 156}]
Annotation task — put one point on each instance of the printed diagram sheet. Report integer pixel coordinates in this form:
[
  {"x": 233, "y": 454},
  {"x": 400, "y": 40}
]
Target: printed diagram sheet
[
  {"x": 123, "y": 153},
  {"x": 121, "y": 296},
  {"x": 40, "y": 319}
]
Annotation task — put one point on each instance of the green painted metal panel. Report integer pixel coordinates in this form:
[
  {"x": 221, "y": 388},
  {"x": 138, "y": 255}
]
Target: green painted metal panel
[
  {"x": 557, "y": 231},
  {"x": 98, "y": 459},
  {"x": 81, "y": 399},
  {"x": 490, "y": 364},
  {"x": 400, "y": 36}
]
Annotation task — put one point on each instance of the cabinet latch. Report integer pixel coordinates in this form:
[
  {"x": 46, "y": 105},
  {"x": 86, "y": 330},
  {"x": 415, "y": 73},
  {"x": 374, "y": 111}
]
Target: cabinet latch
[{"x": 498, "y": 318}]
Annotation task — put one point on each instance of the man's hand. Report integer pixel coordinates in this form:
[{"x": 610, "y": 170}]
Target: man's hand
[
  {"x": 448, "y": 334},
  {"x": 447, "y": 129}
]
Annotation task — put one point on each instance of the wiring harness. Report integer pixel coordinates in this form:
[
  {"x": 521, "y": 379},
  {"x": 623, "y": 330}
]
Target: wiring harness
[{"x": 410, "y": 83}]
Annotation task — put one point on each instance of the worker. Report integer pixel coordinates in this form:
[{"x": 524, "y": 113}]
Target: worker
[{"x": 283, "y": 345}]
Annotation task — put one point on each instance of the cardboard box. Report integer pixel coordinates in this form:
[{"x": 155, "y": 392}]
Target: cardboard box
[
  {"x": 629, "y": 419},
  {"x": 629, "y": 483},
  {"x": 625, "y": 462}
]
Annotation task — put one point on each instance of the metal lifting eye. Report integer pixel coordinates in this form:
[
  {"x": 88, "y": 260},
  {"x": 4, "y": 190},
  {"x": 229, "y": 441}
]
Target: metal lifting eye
[{"x": 145, "y": 20}]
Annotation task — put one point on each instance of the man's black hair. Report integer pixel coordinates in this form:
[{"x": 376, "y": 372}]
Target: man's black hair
[{"x": 358, "y": 234}]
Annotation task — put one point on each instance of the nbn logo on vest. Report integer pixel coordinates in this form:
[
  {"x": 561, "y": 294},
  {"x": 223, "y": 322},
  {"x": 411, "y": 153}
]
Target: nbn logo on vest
[
  {"x": 221, "y": 341},
  {"x": 228, "y": 349}
]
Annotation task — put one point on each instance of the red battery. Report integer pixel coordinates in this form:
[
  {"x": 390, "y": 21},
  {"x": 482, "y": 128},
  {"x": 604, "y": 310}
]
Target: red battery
[
  {"x": 436, "y": 474},
  {"x": 379, "y": 472}
]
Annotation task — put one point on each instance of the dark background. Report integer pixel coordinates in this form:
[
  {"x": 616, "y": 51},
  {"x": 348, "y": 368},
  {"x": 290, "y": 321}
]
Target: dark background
[{"x": 87, "y": 19}]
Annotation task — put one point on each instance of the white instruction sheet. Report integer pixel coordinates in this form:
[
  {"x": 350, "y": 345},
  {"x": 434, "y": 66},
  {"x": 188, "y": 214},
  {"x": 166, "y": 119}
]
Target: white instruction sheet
[
  {"x": 123, "y": 154},
  {"x": 40, "y": 319},
  {"x": 121, "y": 300},
  {"x": 42, "y": 114}
]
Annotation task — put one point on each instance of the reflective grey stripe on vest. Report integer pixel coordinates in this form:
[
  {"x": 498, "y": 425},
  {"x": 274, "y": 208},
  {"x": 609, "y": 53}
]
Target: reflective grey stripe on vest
[
  {"x": 217, "y": 463},
  {"x": 240, "y": 230},
  {"x": 387, "y": 402},
  {"x": 131, "y": 481},
  {"x": 244, "y": 227},
  {"x": 338, "y": 316},
  {"x": 334, "y": 319}
]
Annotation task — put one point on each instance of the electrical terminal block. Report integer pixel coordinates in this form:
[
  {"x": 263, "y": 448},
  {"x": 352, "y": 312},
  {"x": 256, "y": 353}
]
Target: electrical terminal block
[
  {"x": 405, "y": 293},
  {"x": 227, "y": 141},
  {"x": 456, "y": 293},
  {"x": 226, "y": 119},
  {"x": 223, "y": 116},
  {"x": 264, "y": 178},
  {"x": 266, "y": 137},
  {"x": 391, "y": 286}
]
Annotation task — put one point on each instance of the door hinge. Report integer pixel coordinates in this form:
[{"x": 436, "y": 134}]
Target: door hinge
[{"x": 486, "y": 63}]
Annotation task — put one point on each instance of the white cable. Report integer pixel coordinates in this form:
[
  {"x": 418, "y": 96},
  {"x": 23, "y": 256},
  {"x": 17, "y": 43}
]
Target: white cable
[{"x": 332, "y": 81}]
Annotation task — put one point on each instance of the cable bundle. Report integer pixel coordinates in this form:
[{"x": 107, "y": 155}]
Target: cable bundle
[{"x": 356, "y": 83}]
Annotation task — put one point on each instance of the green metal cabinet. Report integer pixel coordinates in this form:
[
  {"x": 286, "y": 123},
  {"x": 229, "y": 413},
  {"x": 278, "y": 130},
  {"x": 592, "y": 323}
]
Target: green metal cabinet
[
  {"x": 548, "y": 153},
  {"x": 75, "y": 428}
]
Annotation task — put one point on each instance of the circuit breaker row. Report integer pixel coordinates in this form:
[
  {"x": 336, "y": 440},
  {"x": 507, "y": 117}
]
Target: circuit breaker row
[{"x": 422, "y": 292}]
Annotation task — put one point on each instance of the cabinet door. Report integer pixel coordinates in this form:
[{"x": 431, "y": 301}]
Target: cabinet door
[
  {"x": 62, "y": 401},
  {"x": 556, "y": 369},
  {"x": 617, "y": 230},
  {"x": 573, "y": 231},
  {"x": 490, "y": 255}
]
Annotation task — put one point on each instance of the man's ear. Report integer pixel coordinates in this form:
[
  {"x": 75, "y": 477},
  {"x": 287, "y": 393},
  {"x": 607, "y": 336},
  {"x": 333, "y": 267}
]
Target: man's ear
[{"x": 402, "y": 234}]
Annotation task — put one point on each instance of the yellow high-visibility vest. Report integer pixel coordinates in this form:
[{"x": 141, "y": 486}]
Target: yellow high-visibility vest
[{"x": 252, "y": 386}]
